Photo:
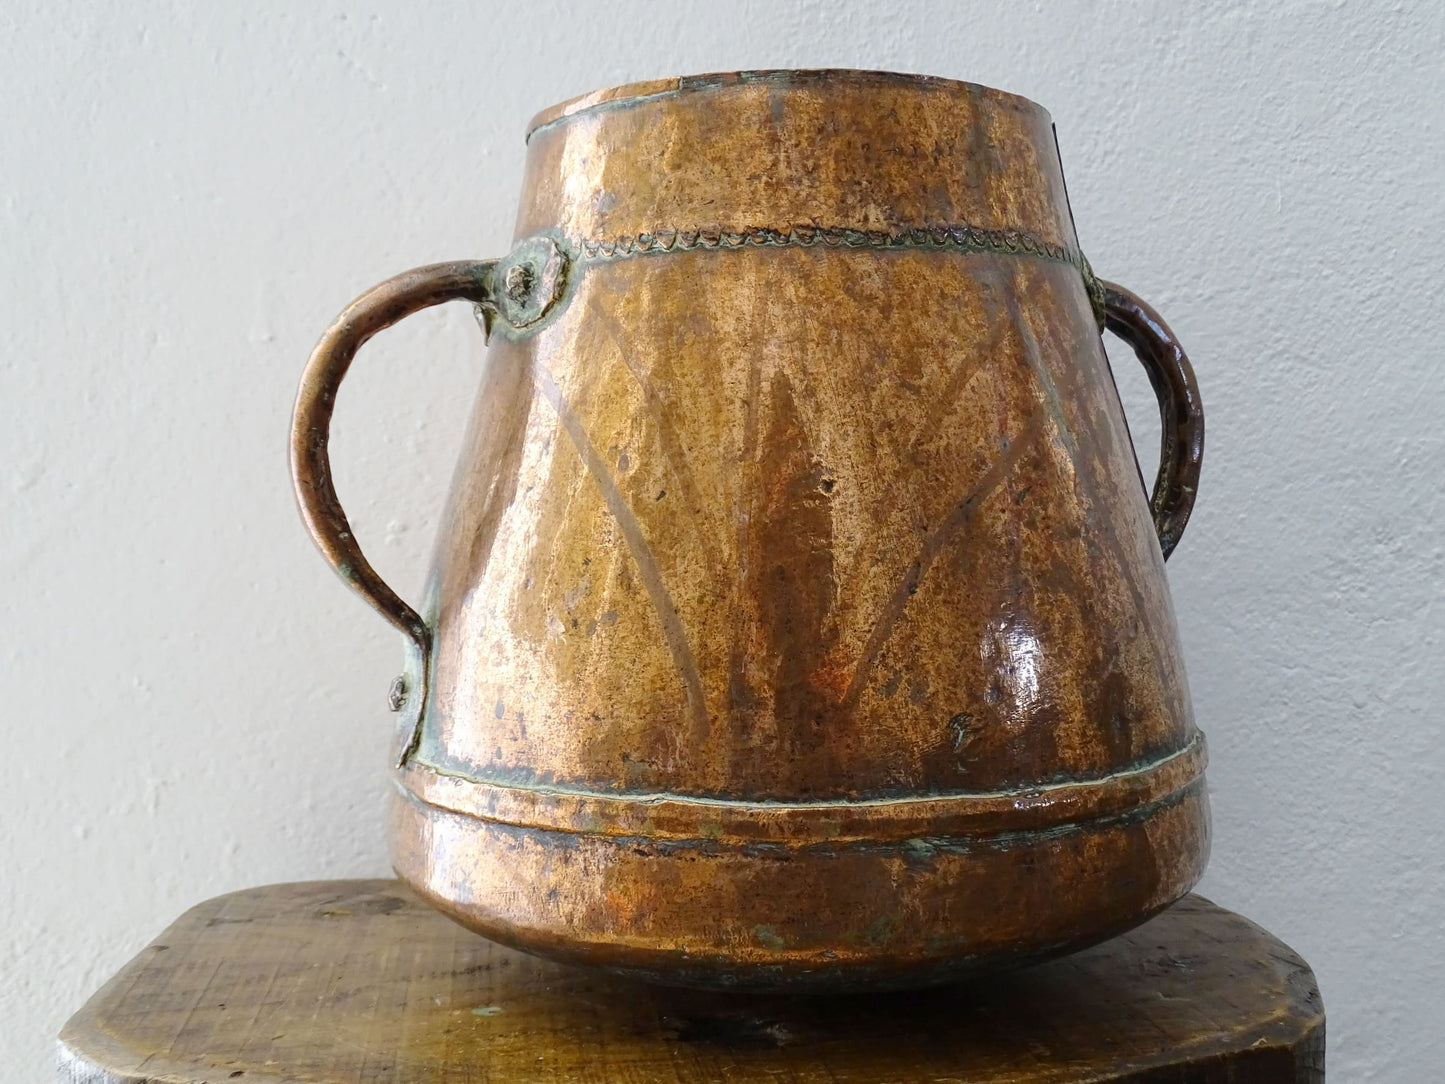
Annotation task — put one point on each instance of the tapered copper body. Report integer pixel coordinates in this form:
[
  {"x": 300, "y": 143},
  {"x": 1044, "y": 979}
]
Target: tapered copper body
[{"x": 799, "y": 617}]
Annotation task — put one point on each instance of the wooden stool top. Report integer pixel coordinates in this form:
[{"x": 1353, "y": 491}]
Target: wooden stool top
[{"x": 357, "y": 982}]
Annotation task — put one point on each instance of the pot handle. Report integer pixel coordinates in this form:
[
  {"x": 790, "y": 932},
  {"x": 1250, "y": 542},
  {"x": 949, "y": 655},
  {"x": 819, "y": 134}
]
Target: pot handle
[
  {"x": 1181, "y": 414},
  {"x": 373, "y": 311}
]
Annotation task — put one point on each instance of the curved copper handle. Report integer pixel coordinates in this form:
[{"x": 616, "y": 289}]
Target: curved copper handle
[
  {"x": 373, "y": 311},
  {"x": 1181, "y": 415}
]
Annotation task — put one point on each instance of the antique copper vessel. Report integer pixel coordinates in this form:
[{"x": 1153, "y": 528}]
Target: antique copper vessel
[{"x": 799, "y": 618}]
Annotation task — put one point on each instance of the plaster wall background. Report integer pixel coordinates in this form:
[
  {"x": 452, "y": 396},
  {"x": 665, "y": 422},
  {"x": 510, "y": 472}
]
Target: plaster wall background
[{"x": 191, "y": 702}]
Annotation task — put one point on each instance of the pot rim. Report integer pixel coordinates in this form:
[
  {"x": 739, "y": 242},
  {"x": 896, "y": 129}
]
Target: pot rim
[{"x": 627, "y": 94}]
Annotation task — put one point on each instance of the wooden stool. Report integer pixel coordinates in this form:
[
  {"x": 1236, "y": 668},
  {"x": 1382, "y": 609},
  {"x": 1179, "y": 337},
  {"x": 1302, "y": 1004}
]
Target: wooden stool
[{"x": 357, "y": 982}]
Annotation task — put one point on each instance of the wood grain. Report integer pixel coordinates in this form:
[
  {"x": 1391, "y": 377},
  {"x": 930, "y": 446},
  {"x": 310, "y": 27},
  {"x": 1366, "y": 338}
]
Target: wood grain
[{"x": 357, "y": 982}]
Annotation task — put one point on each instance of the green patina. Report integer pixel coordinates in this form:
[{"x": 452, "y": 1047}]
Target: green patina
[{"x": 769, "y": 938}]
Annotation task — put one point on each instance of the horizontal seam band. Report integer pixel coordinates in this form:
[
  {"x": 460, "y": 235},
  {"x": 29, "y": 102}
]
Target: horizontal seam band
[{"x": 679, "y": 817}]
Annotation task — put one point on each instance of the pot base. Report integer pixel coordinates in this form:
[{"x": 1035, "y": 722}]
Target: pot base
[{"x": 762, "y": 900}]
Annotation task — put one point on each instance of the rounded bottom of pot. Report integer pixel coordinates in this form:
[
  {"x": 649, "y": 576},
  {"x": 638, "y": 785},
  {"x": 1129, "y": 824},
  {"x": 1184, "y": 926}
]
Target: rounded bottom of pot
[{"x": 809, "y": 914}]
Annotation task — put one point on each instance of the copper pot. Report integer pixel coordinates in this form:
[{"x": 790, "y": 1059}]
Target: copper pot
[{"x": 799, "y": 617}]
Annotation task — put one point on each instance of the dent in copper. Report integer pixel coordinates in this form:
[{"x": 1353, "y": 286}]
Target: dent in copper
[{"x": 799, "y": 617}]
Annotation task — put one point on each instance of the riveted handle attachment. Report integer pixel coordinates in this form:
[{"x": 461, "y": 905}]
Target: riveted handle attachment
[{"x": 1181, "y": 414}]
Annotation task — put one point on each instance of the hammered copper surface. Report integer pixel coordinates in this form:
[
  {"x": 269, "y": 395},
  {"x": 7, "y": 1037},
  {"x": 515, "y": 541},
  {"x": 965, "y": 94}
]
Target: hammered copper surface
[{"x": 799, "y": 616}]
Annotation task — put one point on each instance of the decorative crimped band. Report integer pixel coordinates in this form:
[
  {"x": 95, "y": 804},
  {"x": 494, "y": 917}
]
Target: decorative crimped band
[
  {"x": 980, "y": 816},
  {"x": 955, "y": 236},
  {"x": 952, "y": 235}
]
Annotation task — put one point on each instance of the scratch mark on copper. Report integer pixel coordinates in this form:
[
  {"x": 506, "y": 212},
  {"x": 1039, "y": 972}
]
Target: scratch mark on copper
[
  {"x": 739, "y": 693},
  {"x": 965, "y": 371},
  {"x": 960, "y": 517},
  {"x": 673, "y": 631},
  {"x": 668, "y": 437}
]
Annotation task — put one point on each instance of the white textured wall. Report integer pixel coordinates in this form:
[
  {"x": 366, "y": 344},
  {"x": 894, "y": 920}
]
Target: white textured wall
[{"x": 192, "y": 703}]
